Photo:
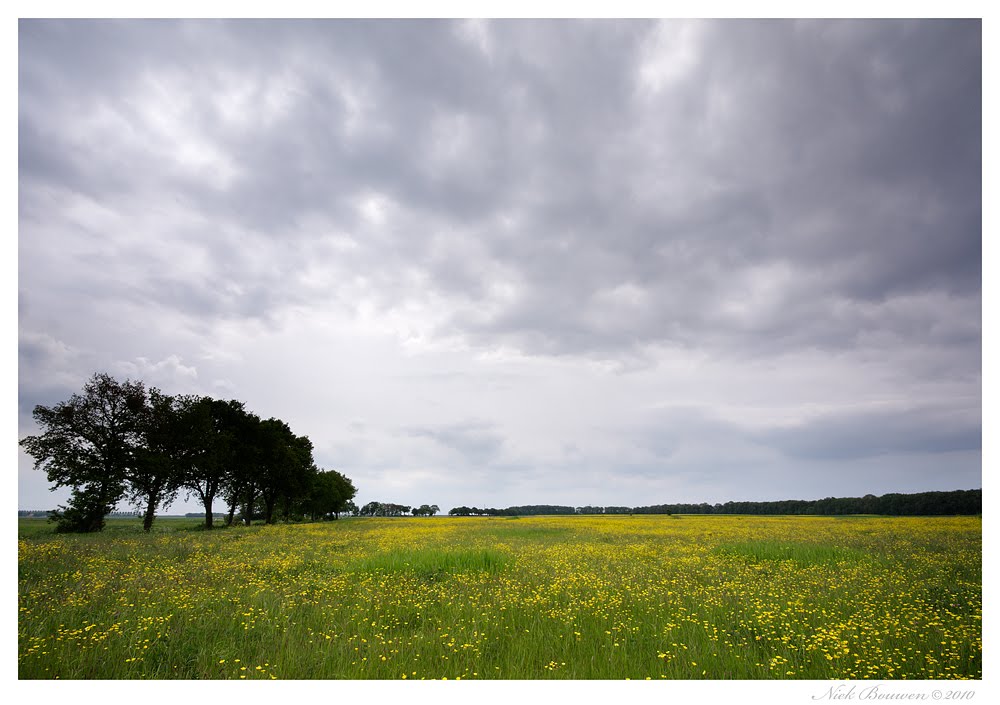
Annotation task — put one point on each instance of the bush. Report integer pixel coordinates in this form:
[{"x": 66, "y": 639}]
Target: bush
[{"x": 85, "y": 514}]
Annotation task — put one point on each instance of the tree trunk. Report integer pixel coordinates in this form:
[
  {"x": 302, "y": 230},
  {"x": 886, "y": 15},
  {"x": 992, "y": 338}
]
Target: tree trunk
[
  {"x": 248, "y": 511},
  {"x": 268, "y": 509},
  {"x": 107, "y": 505},
  {"x": 152, "y": 501},
  {"x": 208, "y": 511},
  {"x": 232, "y": 512},
  {"x": 147, "y": 520}
]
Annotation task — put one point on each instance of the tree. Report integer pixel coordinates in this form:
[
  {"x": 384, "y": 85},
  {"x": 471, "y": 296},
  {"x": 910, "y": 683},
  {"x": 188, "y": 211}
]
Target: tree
[
  {"x": 89, "y": 443},
  {"x": 213, "y": 426},
  {"x": 286, "y": 466},
  {"x": 331, "y": 493},
  {"x": 157, "y": 474},
  {"x": 242, "y": 485}
]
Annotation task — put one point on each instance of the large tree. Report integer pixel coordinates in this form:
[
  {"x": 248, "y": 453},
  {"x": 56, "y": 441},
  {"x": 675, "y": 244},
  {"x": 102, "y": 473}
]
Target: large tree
[
  {"x": 115, "y": 440},
  {"x": 242, "y": 486},
  {"x": 162, "y": 456},
  {"x": 285, "y": 466},
  {"x": 213, "y": 427},
  {"x": 90, "y": 443}
]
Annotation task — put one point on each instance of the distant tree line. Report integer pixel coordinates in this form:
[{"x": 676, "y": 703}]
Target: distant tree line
[
  {"x": 389, "y": 509},
  {"x": 527, "y": 510},
  {"x": 120, "y": 441},
  {"x": 895, "y": 504}
]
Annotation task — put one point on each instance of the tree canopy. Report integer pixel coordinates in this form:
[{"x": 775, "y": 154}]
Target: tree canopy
[{"x": 119, "y": 441}]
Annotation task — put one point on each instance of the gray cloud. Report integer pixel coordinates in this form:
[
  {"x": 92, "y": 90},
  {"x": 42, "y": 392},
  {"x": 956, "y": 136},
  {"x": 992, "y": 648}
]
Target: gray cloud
[
  {"x": 639, "y": 195},
  {"x": 636, "y": 207},
  {"x": 868, "y": 433},
  {"x": 476, "y": 443}
]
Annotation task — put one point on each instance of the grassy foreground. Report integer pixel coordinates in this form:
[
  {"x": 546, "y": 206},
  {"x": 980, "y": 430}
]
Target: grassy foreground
[{"x": 611, "y": 597}]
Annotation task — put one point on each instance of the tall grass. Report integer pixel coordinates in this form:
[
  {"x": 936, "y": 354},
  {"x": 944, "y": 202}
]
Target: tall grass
[{"x": 543, "y": 597}]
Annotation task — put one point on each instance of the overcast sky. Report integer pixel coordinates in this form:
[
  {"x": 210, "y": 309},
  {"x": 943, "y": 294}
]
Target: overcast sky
[{"x": 526, "y": 262}]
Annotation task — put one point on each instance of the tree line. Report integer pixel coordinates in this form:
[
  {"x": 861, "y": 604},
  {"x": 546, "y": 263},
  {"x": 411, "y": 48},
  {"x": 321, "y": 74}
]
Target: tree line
[
  {"x": 120, "y": 441},
  {"x": 968, "y": 502},
  {"x": 528, "y": 510},
  {"x": 391, "y": 509}
]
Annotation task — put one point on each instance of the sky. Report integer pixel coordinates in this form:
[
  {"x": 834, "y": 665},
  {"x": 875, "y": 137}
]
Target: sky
[{"x": 520, "y": 262}]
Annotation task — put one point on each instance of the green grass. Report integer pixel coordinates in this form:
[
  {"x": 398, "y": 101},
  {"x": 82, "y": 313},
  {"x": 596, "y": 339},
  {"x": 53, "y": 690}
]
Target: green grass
[
  {"x": 804, "y": 554},
  {"x": 37, "y": 528},
  {"x": 433, "y": 564},
  {"x": 474, "y": 598}
]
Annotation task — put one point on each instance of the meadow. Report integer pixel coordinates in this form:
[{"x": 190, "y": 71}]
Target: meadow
[{"x": 576, "y": 597}]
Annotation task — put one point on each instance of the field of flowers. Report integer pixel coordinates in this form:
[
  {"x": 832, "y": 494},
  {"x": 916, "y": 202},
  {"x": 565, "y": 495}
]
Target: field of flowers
[{"x": 607, "y": 597}]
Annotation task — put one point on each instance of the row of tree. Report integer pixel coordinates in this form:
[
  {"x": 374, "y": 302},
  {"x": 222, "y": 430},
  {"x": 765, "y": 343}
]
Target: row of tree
[
  {"x": 528, "y": 510},
  {"x": 120, "y": 441},
  {"x": 956, "y": 502},
  {"x": 389, "y": 509},
  {"x": 894, "y": 504}
]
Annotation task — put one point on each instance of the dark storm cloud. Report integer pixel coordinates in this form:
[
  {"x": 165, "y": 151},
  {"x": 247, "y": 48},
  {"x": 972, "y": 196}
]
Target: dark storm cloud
[
  {"x": 42, "y": 362},
  {"x": 618, "y": 201},
  {"x": 864, "y": 434},
  {"x": 841, "y": 435}
]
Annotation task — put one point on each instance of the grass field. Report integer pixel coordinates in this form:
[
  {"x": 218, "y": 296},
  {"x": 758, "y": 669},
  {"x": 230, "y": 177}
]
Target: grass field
[{"x": 610, "y": 597}]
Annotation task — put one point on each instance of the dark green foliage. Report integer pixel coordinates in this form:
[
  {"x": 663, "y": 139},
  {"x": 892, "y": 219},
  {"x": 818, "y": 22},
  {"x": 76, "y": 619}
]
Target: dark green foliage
[
  {"x": 160, "y": 458},
  {"x": 210, "y": 429},
  {"x": 84, "y": 513},
  {"x": 384, "y": 509},
  {"x": 90, "y": 443},
  {"x": 117, "y": 441},
  {"x": 330, "y": 495},
  {"x": 285, "y": 468},
  {"x": 957, "y": 502}
]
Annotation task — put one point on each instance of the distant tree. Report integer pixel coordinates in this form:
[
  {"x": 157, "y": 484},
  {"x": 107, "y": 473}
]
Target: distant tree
[
  {"x": 391, "y": 509},
  {"x": 89, "y": 443},
  {"x": 384, "y": 509},
  {"x": 618, "y": 510},
  {"x": 426, "y": 510},
  {"x": 331, "y": 494}
]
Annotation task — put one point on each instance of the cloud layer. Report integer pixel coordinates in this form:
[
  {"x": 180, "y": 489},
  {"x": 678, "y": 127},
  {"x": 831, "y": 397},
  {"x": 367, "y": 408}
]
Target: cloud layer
[{"x": 543, "y": 261}]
